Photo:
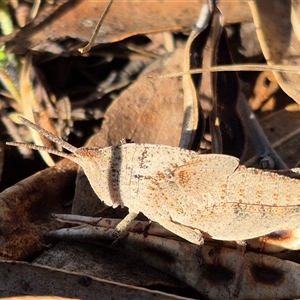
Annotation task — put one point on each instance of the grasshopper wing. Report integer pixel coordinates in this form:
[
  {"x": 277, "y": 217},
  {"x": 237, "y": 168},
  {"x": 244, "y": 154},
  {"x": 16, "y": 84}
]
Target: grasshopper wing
[{"x": 203, "y": 173}]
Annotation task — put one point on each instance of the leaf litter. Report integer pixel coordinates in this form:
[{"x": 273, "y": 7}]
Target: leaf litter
[{"x": 123, "y": 120}]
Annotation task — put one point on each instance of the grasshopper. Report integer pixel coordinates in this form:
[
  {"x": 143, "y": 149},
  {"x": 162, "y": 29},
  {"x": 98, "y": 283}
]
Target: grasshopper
[{"x": 191, "y": 194}]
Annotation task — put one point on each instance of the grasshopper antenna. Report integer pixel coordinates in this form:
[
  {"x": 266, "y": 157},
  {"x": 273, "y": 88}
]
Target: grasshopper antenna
[{"x": 49, "y": 136}]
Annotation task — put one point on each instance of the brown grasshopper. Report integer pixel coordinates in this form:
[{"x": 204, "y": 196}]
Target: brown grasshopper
[{"x": 187, "y": 193}]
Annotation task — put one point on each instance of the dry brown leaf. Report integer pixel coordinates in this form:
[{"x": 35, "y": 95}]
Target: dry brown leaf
[
  {"x": 78, "y": 18},
  {"x": 227, "y": 101},
  {"x": 295, "y": 17},
  {"x": 149, "y": 111},
  {"x": 192, "y": 58},
  {"x": 113, "y": 265},
  {"x": 217, "y": 92},
  {"x": 278, "y": 41},
  {"x": 210, "y": 270},
  {"x": 28, "y": 279},
  {"x": 26, "y": 209}
]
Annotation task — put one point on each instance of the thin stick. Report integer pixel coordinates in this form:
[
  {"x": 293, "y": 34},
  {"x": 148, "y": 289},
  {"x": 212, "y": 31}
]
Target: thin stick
[
  {"x": 96, "y": 30},
  {"x": 260, "y": 142},
  {"x": 241, "y": 67}
]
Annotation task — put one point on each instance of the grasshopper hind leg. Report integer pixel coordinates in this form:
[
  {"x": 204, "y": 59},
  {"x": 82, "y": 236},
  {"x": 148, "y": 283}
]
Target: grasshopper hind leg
[{"x": 192, "y": 235}]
